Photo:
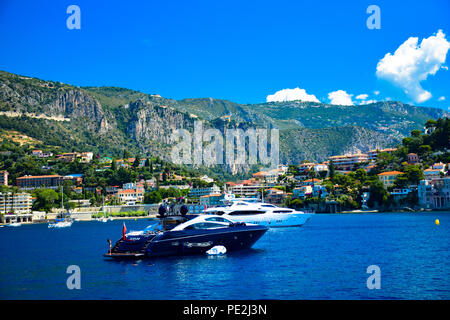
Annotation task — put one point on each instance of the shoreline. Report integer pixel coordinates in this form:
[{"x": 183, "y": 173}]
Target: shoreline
[
  {"x": 151, "y": 216},
  {"x": 154, "y": 216}
]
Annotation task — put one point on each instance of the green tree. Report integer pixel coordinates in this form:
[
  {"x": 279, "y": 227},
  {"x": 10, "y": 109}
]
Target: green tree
[
  {"x": 136, "y": 162},
  {"x": 378, "y": 194},
  {"x": 424, "y": 151},
  {"x": 331, "y": 169},
  {"x": 152, "y": 197},
  {"x": 412, "y": 175},
  {"x": 416, "y": 133},
  {"x": 46, "y": 199}
]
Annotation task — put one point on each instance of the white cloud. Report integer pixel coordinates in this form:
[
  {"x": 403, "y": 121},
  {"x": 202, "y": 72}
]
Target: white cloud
[
  {"x": 441, "y": 98},
  {"x": 340, "y": 97},
  {"x": 412, "y": 63},
  {"x": 376, "y": 92},
  {"x": 362, "y": 96},
  {"x": 291, "y": 95}
]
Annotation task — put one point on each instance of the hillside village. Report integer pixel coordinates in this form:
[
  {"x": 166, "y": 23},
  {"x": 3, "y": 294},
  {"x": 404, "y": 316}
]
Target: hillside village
[{"x": 413, "y": 176}]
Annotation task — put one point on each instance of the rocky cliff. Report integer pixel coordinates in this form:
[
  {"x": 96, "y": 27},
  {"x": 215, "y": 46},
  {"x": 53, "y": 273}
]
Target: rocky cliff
[{"x": 109, "y": 120}]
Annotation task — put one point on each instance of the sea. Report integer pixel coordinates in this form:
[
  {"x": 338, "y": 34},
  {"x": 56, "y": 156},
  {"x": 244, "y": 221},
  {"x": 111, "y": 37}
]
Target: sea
[{"x": 333, "y": 256}]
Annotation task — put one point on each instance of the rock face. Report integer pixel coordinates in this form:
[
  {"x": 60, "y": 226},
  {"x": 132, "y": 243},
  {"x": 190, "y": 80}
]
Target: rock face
[
  {"x": 37, "y": 97},
  {"x": 153, "y": 122},
  {"x": 76, "y": 104},
  {"x": 109, "y": 120}
]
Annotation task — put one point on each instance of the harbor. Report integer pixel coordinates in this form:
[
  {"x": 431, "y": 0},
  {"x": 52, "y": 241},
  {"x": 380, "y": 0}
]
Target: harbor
[{"x": 245, "y": 152}]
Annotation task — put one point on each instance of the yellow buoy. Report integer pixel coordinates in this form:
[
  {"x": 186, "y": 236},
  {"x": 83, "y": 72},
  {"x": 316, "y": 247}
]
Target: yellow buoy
[{"x": 437, "y": 222}]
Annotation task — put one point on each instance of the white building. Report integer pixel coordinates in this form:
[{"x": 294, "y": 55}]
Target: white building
[
  {"x": 131, "y": 196},
  {"x": 320, "y": 167},
  {"x": 206, "y": 179},
  {"x": 434, "y": 194}
]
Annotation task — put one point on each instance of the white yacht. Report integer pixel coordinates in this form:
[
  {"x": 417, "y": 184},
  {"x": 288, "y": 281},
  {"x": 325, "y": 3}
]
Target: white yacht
[
  {"x": 266, "y": 214},
  {"x": 60, "y": 224}
]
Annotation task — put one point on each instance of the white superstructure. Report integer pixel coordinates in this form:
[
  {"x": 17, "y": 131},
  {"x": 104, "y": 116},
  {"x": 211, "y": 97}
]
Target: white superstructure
[{"x": 260, "y": 213}]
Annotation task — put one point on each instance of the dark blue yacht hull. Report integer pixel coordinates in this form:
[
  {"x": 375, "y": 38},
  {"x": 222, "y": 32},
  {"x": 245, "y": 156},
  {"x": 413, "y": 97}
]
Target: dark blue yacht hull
[{"x": 187, "y": 242}]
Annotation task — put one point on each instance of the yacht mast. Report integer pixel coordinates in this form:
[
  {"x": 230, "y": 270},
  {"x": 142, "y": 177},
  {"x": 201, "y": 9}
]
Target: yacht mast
[
  {"x": 62, "y": 198},
  {"x": 262, "y": 193}
]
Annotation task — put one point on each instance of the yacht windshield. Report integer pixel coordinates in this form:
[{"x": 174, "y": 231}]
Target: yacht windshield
[
  {"x": 154, "y": 227},
  {"x": 205, "y": 225},
  {"x": 218, "y": 219},
  {"x": 245, "y": 212}
]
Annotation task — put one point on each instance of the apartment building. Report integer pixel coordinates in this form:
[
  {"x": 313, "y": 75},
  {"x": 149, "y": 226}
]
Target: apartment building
[
  {"x": 346, "y": 162},
  {"x": 45, "y": 181},
  {"x": 245, "y": 190},
  {"x": 198, "y": 192},
  {"x": 18, "y": 203}
]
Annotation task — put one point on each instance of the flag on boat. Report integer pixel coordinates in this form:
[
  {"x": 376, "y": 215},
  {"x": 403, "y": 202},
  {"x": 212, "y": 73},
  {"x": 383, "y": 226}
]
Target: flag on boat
[{"x": 124, "y": 229}]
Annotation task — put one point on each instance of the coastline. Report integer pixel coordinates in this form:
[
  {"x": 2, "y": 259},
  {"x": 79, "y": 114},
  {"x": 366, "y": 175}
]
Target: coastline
[
  {"x": 154, "y": 216},
  {"x": 150, "y": 216}
]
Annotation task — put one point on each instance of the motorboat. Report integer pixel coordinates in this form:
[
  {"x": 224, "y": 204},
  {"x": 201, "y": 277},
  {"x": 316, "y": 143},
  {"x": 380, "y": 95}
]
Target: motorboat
[
  {"x": 194, "y": 236},
  {"x": 260, "y": 213}
]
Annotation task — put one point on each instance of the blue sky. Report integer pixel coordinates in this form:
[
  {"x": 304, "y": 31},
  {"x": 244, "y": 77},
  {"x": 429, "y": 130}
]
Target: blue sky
[{"x": 242, "y": 51}]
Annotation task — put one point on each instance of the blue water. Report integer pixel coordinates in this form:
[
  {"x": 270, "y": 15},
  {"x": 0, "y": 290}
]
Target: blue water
[{"x": 325, "y": 259}]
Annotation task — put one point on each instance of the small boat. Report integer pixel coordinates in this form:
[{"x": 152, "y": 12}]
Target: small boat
[
  {"x": 64, "y": 222},
  {"x": 60, "y": 224},
  {"x": 195, "y": 236},
  {"x": 14, "y": 224}
]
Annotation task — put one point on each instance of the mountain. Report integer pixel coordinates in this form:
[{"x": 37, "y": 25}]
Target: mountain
[{"x": 110, "y": 119}]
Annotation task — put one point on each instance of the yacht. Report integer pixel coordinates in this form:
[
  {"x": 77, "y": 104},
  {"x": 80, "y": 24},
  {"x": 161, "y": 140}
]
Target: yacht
[
  {"x": 260, "y": 213},
  {"x": 61, "y": 223},
  {"x": 64, "y": 221},
  {"x": 194, "y": 236}
]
